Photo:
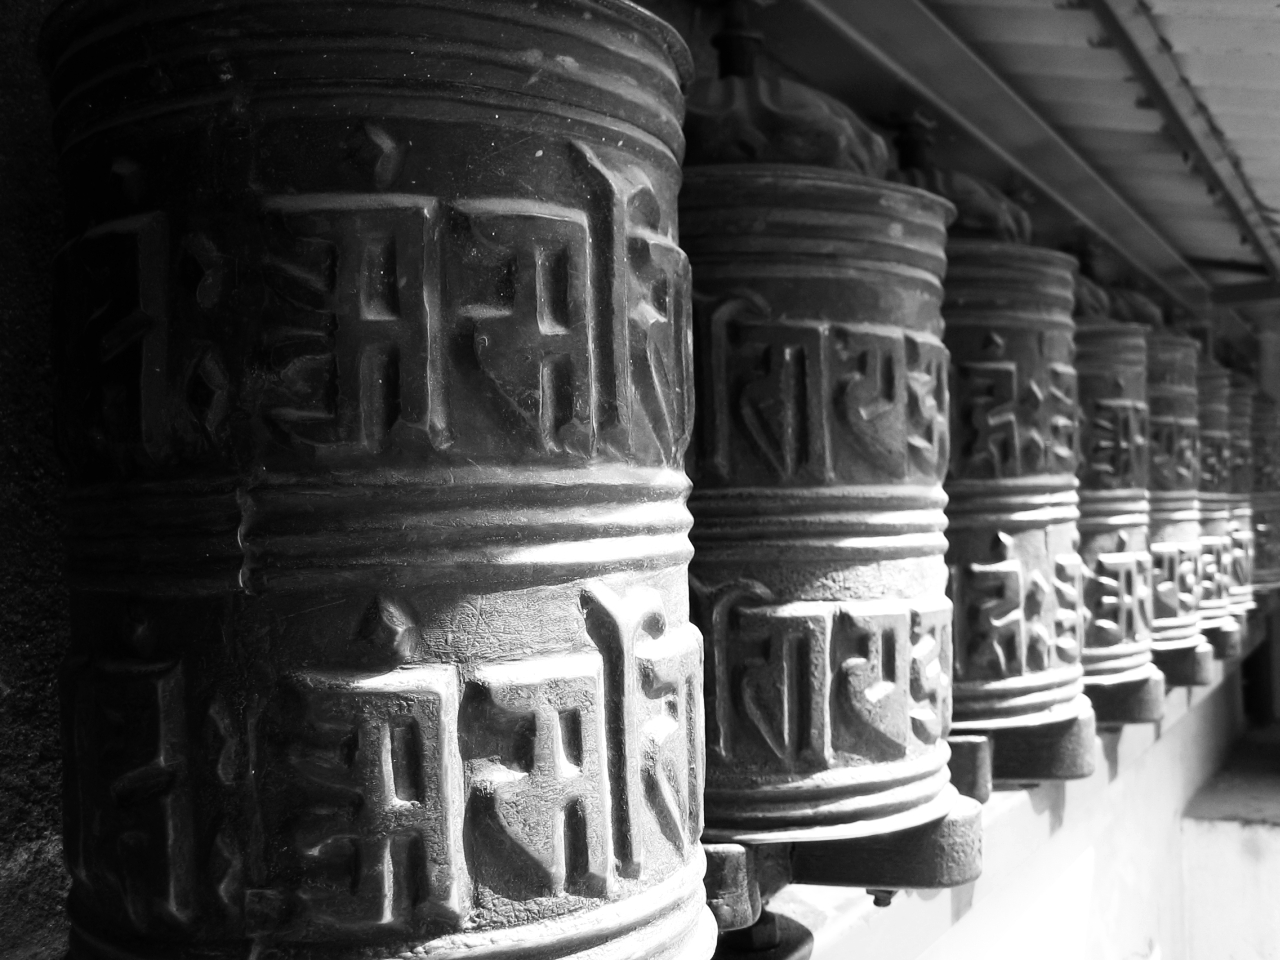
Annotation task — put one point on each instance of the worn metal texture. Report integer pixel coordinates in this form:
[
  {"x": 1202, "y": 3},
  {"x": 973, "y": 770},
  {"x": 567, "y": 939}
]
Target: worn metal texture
[
  {"x": 1111, "y": 359},
  {"x": 1016, "y": 575},
  {"x": 1266, "y": 493},
  {"x": 818, "y": 578},
  {"x": 1240, "y": 404},
  {"x": 375, "y": 388},
  {"x": 1180, "y": 649},
  {"x": 1217, "y": 624}
]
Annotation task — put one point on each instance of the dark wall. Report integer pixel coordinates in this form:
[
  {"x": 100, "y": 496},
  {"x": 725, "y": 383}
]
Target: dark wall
[{"x": 33, "y": 597}]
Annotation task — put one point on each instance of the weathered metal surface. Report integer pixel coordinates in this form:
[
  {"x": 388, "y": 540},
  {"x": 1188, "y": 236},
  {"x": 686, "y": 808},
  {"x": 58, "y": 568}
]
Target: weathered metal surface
[
  {"x": 1180, "y": 649},
  {"x": 1111, "y": 359},
  {"x": 375, "y": 347},
  {"x": 1016, "y": 575},
  {"x": 1240, "y": 404},
  {"x": 1266, "y": 493},
  {"x": 1219, "y": 627},
  {"x": 818, "y": 578}
]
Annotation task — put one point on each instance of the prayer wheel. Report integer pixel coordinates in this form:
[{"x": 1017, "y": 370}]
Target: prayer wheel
[
  {"x": 1266, "y": 494},
  {"x": 1121, "y": 679},
  {"x": 1016, "y": 573},
  {"x": 375, "y": 351},
  {"x": 818, "y": 577},
  {"x": 1217, "y": 624},
  {"x": 1180, "y": 648},
  {"x": 1240, "y": 570}
]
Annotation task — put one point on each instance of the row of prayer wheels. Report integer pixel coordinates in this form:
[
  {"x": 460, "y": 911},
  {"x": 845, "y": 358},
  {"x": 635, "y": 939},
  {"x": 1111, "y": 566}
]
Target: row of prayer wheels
[{"x": 380, "y": 354}]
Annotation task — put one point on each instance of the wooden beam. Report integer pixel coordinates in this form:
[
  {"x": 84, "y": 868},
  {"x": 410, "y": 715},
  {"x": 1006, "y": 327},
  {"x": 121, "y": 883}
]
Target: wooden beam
[
  {"x": 1240, "y": 294},
  {"x": 909, "y": 42},
  {"x": 1134, "y": 30}
]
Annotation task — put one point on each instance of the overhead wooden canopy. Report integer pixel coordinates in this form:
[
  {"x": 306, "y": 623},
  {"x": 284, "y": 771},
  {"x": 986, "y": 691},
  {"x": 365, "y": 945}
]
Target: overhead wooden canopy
[{"x": 1155, "y": 126}]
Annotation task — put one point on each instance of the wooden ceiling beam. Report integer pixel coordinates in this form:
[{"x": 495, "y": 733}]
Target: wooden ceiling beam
[
  {"x": 1133, "y": 27},
  {"x": 911, "y": 43}
]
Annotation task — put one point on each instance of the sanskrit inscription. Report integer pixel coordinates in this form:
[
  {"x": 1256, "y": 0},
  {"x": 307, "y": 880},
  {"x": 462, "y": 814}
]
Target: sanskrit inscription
[
  {"x": 801, "y": 686},
  {"x": 815, "y": 402},
  {"x": 1017, "y": 414},
  {"x": 1013, "y": 621}
]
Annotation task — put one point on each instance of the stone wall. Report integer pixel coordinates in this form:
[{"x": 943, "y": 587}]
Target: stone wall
[{"x": 33, "y": 601}]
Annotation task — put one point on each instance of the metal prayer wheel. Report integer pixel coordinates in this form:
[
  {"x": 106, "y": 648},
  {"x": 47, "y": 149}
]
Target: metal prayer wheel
[
  {"x": 818, "y": 577},
  {"x": 1180, "y": 648},
  {"x": 375, "y": 388},
  {"x": 1218, "y": 626},
  {"x": 818, "y": 573},
  {"x": 1016, "y": 574},
  {"x": 1240, "y": 404},
  {"x": 1123, "y": 683},
  {"x": 1266, "y": 494}
]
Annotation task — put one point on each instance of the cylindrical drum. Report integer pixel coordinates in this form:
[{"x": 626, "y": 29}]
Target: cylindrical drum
[
  {"x": 1016, "y": 576},
  {"x": 1217, "y": 624},
  {"x": 1180, "y": 649},
  {"x": 375, "y": 345},
  {"x": 1111, "y": 358},
  {"x": 1266, "y": 493},
  {"x": 818, "y": 578},
  {"x": 1240, "y": 569}
]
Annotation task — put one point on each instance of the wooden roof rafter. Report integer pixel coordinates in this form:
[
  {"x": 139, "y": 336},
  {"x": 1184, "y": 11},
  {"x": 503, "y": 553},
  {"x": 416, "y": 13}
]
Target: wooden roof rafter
[
  {"x": 1132, "y": 25},
  {"x": 909, "y": 40}
]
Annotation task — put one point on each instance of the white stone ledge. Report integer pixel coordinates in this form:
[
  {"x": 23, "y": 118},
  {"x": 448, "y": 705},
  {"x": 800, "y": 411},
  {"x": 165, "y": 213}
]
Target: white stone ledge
[{"x": 1082, "y": 870}]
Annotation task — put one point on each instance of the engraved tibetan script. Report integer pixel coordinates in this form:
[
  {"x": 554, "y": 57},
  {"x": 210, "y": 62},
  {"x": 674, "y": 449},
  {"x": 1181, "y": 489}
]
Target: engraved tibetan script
[
  {"x": 354, "y": 338},
  {"x": 577, "y": 316},
  {"x": 539, "y": 810},
  {"x": 1175, "y": 454},
  {"x": 1018, "y": 414},
  {"x": 654, "y": 708},
  {"x": 428, "y": 789},
  {"x": 1119, "y": 597},
  {"x": 818, "y": 402},
  {"x": 1117, "y": 444},
  {"x": 804, "y": 684},
  {"x": 1177, "y": 581},
  {"x": 380, "y": 844},
  {"x": 1214, "y": 567},
  {"x": 130, "y": 836},
  {"x": 113, "y": 287},
  {"x": 1014, "y": 622}
]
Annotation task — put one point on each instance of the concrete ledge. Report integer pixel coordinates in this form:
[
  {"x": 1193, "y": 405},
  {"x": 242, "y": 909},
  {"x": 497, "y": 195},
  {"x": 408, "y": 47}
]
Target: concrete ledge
[
  {"x": 1086, "y": 868},
  {"x": 1231, "y": 855}
]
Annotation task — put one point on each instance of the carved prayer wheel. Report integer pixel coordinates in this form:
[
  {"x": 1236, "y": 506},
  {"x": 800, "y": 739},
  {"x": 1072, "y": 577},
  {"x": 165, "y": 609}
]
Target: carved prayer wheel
[
  {"x": 1240, "y": 570},
  {"x": 1266, "y": 493},
  {"x": 1180, "y": 649},
  {"x": 1016, "y": 574},
  {"x": 1123, "y": 683},
  {"x": 375, "y": 346},
  {"x": 818, "y": 577},
  {"x": 1218, "y": 626}
]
